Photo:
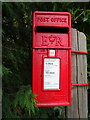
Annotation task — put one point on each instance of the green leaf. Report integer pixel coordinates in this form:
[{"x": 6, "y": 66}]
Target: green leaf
[{"x": 85, "y": 19}]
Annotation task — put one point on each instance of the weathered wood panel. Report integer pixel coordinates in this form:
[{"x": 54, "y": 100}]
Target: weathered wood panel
[{"x": 78, "y": 108}]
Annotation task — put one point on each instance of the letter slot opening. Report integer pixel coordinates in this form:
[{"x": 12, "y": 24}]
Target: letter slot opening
[{"x": 44, "y": 29}]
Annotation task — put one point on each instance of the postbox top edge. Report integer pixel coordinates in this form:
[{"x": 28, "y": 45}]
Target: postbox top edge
[{"x": 52, "y": 12}]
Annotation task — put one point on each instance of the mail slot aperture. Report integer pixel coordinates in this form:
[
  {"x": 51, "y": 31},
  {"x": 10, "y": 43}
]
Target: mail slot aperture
[{"x": 45, "y": 29}]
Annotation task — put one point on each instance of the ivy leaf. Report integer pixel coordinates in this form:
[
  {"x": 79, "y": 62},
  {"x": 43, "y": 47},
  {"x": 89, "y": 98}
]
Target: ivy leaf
[{"x": 85, "y": 19}]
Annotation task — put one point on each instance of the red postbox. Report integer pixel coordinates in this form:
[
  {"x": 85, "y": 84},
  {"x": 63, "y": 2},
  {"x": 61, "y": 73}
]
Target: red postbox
[{"x": 51, "y": 58}]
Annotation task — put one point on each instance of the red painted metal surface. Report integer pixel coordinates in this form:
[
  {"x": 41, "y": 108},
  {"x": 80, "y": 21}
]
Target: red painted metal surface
[
  {"x": 51, "y": 31},
  {"x": 78, "y": 84},
  {"x": 81, "y": 52}
]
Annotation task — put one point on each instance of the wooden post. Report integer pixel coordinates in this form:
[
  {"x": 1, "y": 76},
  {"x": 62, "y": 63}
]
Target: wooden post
[{"x": 79, "y": 107}]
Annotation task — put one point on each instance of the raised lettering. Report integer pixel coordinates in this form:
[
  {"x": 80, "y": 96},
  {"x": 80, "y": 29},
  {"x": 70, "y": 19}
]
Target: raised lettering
[
  {"x": 58, "y": 20},
  {"x": 52, "y": 39},
  {"x": 42, "y": 19},
  {"x": 59, "y": 42},
  {"x": 44, "y": 41}
]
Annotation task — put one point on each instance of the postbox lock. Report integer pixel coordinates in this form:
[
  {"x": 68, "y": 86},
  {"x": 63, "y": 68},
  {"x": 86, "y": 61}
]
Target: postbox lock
[{"x": 40, "y": 75}]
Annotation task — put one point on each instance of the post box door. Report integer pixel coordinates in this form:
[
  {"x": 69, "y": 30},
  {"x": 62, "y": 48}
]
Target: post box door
[{"x": 53, "y": 89}]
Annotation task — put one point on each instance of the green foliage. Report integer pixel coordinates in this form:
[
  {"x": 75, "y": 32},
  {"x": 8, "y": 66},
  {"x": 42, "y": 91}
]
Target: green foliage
[
  {"x": 53, "y": 113},
  {"x": 24, "y": 101},
  {"x": 8, "y": 106},
  {"x": 19, "y": 105},
  {"x": 6, "y": 71},
  {"x": 18, "y": 101}
]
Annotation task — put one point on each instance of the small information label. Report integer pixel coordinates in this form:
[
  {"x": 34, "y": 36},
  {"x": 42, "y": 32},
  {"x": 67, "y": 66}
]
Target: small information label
[{"x": 51, "y": 73}]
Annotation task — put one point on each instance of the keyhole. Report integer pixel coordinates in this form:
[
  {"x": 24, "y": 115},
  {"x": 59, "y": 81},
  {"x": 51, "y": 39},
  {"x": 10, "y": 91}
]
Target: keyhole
[{"x": 40, "y": 75}]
